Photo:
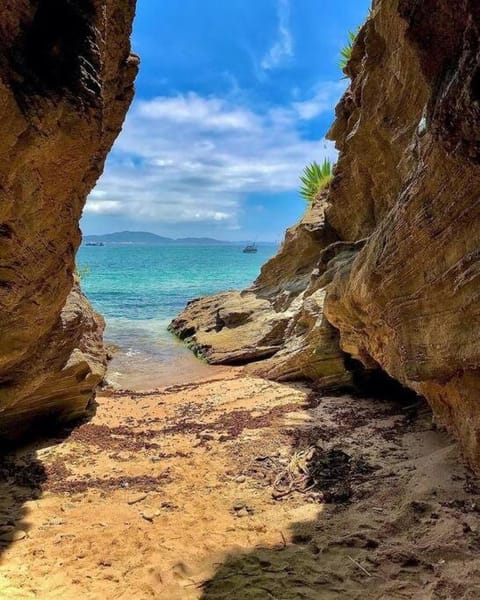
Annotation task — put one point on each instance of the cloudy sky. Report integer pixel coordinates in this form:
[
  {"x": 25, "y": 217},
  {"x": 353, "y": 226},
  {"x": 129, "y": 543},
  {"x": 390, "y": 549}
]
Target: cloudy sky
[{"x": 234, "y": 97}]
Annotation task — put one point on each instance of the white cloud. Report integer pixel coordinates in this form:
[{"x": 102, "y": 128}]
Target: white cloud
[
  {"x": 187, "y": 158},
  {"x": 283, "y": 46},
  {"x": 98, "y": 193},
  {"x": 211, "y": 113},
  {"x": 105, "y": 207},
  {"x": 322, "y": 101}
]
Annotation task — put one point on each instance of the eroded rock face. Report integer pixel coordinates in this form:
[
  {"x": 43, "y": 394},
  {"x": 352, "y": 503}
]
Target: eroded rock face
[
  {"x": 409, "y": 301},
  {"x": 398, "y": 284},
  {"x": 66, "y": 81}
]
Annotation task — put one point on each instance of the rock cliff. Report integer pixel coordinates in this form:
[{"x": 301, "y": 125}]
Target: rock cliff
[
  {"x": 66, "y": 81},
  {"x": 383, "y": 273}
]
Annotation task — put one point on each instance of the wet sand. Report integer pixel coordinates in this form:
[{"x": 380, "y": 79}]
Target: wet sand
[
  {"x": 135, "y": 369},
  {"x": 145, "y": 373},
  {"x": 235, "y": 487}
]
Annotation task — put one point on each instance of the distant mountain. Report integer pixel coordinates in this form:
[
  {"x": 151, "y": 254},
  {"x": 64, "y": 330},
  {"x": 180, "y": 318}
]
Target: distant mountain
[
  {"x": 203, "y": 241},
  {"x": 152, "y": 239},
  {"x": 129, "y": 237}
]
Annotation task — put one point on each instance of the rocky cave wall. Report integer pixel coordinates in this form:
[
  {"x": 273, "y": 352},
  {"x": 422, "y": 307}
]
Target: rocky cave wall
[
  {"x": 66, "y": 82},
  {"x": 384, "y": 270}
]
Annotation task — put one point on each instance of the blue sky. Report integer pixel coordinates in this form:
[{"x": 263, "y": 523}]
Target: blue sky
[{"x": 233, "y": 98}]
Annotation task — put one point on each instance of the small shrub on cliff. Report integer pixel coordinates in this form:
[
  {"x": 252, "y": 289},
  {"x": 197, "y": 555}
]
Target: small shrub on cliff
[
  {"x": 315, "y": 177},
  {"x": 82, "y": 272},
  {"x": 346, "y": 51}
]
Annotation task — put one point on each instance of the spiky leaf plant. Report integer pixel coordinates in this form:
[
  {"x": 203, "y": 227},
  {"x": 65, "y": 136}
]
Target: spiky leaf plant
[
  {"x": 315, "y": 177},
  {"x": 346, "y": 51}
]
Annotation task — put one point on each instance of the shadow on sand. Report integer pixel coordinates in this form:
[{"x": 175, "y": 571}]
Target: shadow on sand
[
  {"x": 23, "y": 476},
  {"x": 391, "y": 539}
]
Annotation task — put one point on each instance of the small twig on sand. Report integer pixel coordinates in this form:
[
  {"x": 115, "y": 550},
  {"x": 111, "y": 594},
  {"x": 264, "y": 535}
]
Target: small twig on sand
[
  {"x": 356, "y": 563},
  {"x": 195, "y": 584},
  {"x": 284, "y": 540},
  {"x": 206, "y": 582},
  {"x": 411, "y": 406}
]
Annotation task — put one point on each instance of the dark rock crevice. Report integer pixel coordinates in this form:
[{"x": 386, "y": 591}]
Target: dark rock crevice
[{"x": 55, "y": 53}]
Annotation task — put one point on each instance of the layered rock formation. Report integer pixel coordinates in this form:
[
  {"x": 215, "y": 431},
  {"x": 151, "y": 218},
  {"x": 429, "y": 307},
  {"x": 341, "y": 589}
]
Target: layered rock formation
[
  {"x": 66, "y": 81},
  {"x": 279, "y": 320},
  {"x": 387, "y": 273}
]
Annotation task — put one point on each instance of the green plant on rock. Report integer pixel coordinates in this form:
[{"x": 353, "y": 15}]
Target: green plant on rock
[
  {"x": 82, "y": 272},
  {"x": 346, "y": 51},
  {"x": 314, "y": 179}
]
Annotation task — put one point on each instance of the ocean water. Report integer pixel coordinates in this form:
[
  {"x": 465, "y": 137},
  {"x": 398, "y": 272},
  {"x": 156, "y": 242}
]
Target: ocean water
[{"x": 139, "y": 289}]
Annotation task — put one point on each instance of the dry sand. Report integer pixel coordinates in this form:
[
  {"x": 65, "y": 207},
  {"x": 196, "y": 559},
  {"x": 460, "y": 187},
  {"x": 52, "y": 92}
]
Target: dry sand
[{"x": 171, "y": 495}]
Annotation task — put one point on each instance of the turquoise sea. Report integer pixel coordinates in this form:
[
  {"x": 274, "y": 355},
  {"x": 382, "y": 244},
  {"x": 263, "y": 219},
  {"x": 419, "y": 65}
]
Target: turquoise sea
[{"x": 139, "y": 289}]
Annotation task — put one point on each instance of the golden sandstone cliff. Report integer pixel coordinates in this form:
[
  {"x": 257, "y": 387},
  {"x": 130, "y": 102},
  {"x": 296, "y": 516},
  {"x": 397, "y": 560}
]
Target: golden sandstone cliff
[
  {"x": 66, "y": 81},
  {"x": 383, "y": 273}
]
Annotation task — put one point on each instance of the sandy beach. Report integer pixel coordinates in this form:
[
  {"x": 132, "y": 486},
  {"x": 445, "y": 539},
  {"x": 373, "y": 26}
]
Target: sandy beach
[{"x": 240, "y": 488}]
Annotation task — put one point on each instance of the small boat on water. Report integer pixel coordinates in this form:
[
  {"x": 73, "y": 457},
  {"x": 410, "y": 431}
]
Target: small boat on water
[
  {"x": 96, "y": 244},
  {"x": 250, "y": 249}
]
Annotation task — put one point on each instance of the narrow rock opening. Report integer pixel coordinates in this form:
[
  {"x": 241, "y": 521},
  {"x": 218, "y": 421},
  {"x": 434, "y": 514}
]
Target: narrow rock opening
[
  {"x": 475, "y": 85},
  {"x": 376, "y": 383},
  {"x": 58, "y": 52},
  {"x": 6, "y": 231}
]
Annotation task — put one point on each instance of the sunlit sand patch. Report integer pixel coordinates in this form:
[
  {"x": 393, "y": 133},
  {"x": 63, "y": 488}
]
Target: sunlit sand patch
[{"x": 173, "y": 494}]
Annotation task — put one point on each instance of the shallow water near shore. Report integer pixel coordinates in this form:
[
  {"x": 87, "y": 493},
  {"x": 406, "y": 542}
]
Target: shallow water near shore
[{"x": 139, "y": 289}]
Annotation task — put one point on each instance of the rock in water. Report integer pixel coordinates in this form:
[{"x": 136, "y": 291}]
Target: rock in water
[
  {"x": 279, "y": 320},
  {"x": 383, "y": 273},
  {"x": 66, "y": 81}
]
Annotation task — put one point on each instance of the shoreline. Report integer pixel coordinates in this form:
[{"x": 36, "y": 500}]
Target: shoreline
[
  {"x": 202, "y": 491},
  {"x": 141, "y": 376}
]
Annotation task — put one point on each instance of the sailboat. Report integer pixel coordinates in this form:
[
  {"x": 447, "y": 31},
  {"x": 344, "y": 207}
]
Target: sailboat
[{"x": 250, "y": 249}]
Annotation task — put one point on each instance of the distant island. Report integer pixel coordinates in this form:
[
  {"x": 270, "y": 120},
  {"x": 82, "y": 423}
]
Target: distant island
[{"x": 152, "y": 239}]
